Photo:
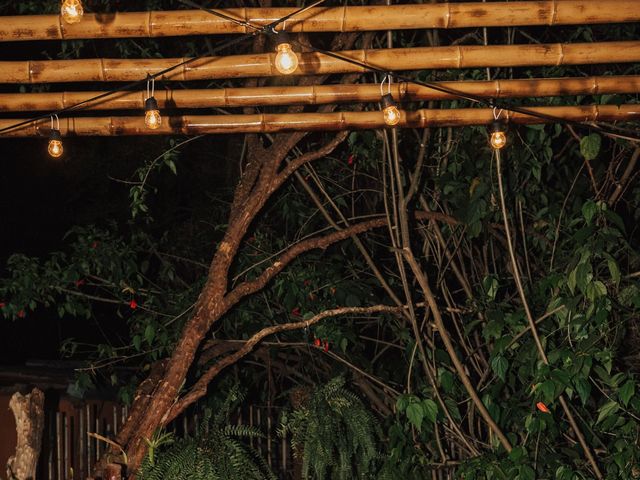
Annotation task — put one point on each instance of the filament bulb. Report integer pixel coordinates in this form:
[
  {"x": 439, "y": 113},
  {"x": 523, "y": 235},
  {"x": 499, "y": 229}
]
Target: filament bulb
[
  {"x": 55, "y": 148},
  {"x": 498, "y": 136},
  {"x": 152, "y": 118},
  {"x": 390, "y": 110},
  {"x": 71, "y": 11},
  {"x": 286, "y": 59}
]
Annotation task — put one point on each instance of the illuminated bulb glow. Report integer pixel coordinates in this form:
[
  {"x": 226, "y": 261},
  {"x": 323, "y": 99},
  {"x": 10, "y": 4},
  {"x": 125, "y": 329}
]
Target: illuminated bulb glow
[
  {"x": 498, "y": 138},
  {"x": 152, "y": 118},
  {"x": 286, "y": 61},
  {"x": 55, "y": 148},
  {"x": 390, "y": 111},
  {"x": 71, "y": 11}
]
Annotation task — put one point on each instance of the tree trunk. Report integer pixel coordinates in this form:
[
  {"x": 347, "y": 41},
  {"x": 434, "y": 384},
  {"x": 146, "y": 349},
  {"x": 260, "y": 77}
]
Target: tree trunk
[{"x": 29, "y": 413}]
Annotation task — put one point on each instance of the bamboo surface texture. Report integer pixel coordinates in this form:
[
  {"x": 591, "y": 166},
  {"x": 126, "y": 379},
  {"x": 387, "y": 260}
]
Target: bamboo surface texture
[
  {"x": 323, "y": 19},
  {"x": 201, "y": 124},
  {"x": 313, "y": 63},
  {"x": 321, "y": 94}
]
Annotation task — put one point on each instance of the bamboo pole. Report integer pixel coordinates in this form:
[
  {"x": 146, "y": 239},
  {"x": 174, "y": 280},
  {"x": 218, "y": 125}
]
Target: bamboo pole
[
  {"x": 321, "y": 94},
  {"x": 322, "y": 19},
  {"x": 314, "y": 63},
  {"x": 286, "y": 122}
]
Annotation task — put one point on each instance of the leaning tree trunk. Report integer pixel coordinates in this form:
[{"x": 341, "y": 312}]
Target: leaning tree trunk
[{"x": 29, "y": 413}]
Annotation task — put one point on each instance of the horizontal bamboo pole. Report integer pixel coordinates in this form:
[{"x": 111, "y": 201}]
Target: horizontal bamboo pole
[
  {"x": 323, "y": 19},
  {"x": 287, "y": 122},
  {"x": 320, "y": 94},
  {"x": 313, "y": 63}
]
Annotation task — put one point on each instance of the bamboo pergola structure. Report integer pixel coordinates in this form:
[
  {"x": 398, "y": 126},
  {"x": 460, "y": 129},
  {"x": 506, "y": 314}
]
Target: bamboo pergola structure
[
  {"x": 172, "y": 99},
  {"x": 323, "y": 19}
]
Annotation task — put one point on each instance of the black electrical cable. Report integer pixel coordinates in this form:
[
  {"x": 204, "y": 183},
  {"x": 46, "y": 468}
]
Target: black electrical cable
[
  {"x": 128, "y": 86},
  {"x": 461, "y": 95}
]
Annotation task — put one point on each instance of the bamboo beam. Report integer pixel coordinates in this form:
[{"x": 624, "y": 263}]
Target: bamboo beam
[
  {"x": 323, "y": 19},
  {"x": 314, "y": 63},
  {"x": 321, "y": 94},
  {"x": 287, "y": 122}
]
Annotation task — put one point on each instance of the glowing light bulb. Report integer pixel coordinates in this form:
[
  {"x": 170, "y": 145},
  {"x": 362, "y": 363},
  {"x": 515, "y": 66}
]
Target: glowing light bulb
[
  {"x": 498, "y": 136},
  {"x": 71, "y": 11},
  {"x": 152, "y": 118},
  {"x": 390, "y": 111},
  {"x": 55, "y": 148},
  {"x": 286, "y": 61}
]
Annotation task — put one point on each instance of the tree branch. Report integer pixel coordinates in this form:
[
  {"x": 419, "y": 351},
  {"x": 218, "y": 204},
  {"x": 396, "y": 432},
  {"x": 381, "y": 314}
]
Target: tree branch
[{"x": 200, "y": 387}]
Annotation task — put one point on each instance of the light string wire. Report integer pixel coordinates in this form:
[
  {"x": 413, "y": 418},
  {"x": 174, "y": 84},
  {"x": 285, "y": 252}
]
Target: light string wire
[
  {"x": 492, "y": 103},
  {"x": 149, "y": 77},
  {"x": 269, "y": 29}
]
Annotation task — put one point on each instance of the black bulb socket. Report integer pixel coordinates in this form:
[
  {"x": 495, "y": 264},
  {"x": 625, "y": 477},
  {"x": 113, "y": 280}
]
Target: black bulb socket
[
  {"x": 498, "y": 126},
  {"x": 388, "y": 101},
  {"x": 282, "y": 37},
  {"x": 55, "y": 135},
  {"x": 151, "y": 104}
]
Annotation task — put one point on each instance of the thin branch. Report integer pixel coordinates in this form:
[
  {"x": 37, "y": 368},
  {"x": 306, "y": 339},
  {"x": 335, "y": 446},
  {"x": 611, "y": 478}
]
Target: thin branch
[{"x": 200, "y": 387}]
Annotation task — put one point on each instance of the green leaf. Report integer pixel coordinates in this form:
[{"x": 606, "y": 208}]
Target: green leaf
[
  {"x": 607, "y": 409},
  {"x": 415, "y": 414},
  {"x": 430, "y": 409},
  {"x": 583, "y": 387},
  {"x": 500, "y": 365},
  {"x": 149, "y": 333},
  {"x": 614, "y": 271},
  {"x": 626, "y": 392},
  {"x": 590, "y": 146}
]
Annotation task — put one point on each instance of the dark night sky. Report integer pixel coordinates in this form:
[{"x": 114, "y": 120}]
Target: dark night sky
[{"x": 42, "y": 198}]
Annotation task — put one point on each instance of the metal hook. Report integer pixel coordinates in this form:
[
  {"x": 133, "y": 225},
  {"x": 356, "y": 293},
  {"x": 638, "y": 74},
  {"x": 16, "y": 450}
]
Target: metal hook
[
  {"x": 57, "y": 122},
  {"x": 496, "y": 116},
  {"x": 387, "y": 78},
  {"x": 151, "y": 86}
]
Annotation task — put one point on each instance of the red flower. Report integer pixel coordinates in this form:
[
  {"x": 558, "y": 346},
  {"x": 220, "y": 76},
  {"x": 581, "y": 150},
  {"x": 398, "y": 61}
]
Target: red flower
[
  {"x": 351, "y": 159},
  {"x": 80, "y": 282},
  {"x": 542, "y": 407},
  {"x": 95, "y": 244},
  {"x": 133, "y": 304},
  {"x": 317, "y": 342},
  {"x": 326, "y": 346},
  {"x": 2, "y": 304},
  {"x": 307, "y": 283},
  {"x": 295, "y": 312},
  {"x": 21, "y": 314}
]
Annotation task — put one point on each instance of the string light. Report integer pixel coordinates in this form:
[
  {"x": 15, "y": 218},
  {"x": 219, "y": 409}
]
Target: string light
[
  {"x": 152, "y": 118},
  {"x": 498, "y": 139},
  {"x": 286, "y": 61},
  {"x": 390, "y": 111},
  {"x": 55, "y": 148},
  {"x": 71, "y": 11}
]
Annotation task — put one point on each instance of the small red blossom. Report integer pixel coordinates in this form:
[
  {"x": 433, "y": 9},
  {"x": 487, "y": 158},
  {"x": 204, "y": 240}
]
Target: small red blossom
[
  {"x": 2, "y": 304},
  {"x": 133, "y": 304},
  {"x": 317, "y": 342},
  {"x": 95, "y": 244},
  {"x": 80, "y": 282},
  {"x": 307, "y": 283},
  {"x": 542, "y": 407},
  {"x": 326, "y": 346},
  {"x": 351, "y": 159},
  {"x": 22, "y": 314},
  {"x": 295, "y": 312}
]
